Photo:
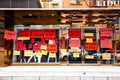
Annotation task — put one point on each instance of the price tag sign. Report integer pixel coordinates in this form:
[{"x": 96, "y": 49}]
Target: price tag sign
[
  {"x": 89, "y": 40},
  {"x": 91, "y": 46},
  {"x": 63, "y": 51},
  {"x": 36, "y": 33},
  {"x": 76, "y": 55},
  {"x": 74, "y": 33},
  {"x": 16, "y": 53},
  {"x": 74, "y": 43},
  {"x": 89, "y": 57},
  {"x": 28, "y": 53},
  {"x": 10, "y": 35},
  {"x": 39, "y": 55},
  {"x": 52, "y": 48},
  {"x": 106, "y": 56},
  {"x": 44, "y": 47},
  {"x": 52, "y": 55},
  {"x": 106, "y": 32}
]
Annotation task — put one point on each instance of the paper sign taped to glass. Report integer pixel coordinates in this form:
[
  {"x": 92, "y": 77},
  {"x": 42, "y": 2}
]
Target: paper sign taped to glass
[
  {"x": 28, "y": 53},
  {"x": 16, "y": 53},
  {"x": 106, "y": 56}
]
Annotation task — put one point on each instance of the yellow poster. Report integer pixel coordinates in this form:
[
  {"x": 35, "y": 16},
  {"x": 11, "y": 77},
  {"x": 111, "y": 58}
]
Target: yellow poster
[
  {"x": 89, "y": 57},
  {"x": 63, "y": 51},
  {"x": 89, "y": 40},
  {"x": 28, "y": 53},
  {"x": 88, "y": 34},
  {"x": 39, "y": 54},
  {"x": 76, "y": 55},
  {"x": 44, "y": 52},
  {"x": 44, "y": 47},
  {"x": 52, "y": 55},
  {"x": 15, "y": 52},
  {"x": 106, "y": 56}
]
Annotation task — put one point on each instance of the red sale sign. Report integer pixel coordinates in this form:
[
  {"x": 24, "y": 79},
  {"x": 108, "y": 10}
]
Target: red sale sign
[
  {"x": 52, "y": 47},
  {"x": 106, "y": 32},
  {"x": 74, "y": 33},
  {"x": 91, "y": 46},
  {"x": 36, "y": 33},
  {"x": 10, "y": 34},
  {"x": 49, "y": 34},
  {"x": 24, "y": 33},
  {"x": 74, "y": 43},
  {"x": 106, "y": 43},
  {"x": 20, "y": 45}
]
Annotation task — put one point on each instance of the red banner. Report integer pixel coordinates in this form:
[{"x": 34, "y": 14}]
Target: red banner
[
  {"x": 24, "y": 33},
  {"x": 10, "y": 34},
  {"x": 106, "y": 32},
  {"x": 74, "y": 33},
  {"x": 52, "y": 47},
  {"x": 106, "y": 43},
  {"x": 49, "y": 34},
  {"x": 74, "y": 43},
  {"x": 91, "y": 46},
  {"x": 36, "y": 33}
]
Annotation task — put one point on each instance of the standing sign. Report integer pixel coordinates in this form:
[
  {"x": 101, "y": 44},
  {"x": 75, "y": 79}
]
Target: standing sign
[
  {"x": 74, "y": 33},
  {"x": 10, "y": 34}
]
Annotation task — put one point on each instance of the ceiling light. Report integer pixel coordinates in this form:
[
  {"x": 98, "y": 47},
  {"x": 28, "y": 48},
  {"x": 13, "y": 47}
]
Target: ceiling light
[{"x": 30, "y": 14}]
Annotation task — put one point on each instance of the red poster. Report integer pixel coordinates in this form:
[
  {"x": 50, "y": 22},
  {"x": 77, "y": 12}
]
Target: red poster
[
  {"x": 74, "y": 43},
  {"x": 49, "y": 34},
  {"x": 74, "y": 33},
  {"x": 106, "y": 32},
  {"x": 52, "y": 47},
  {"x": 91, "y": 46},
  {"x": 20, "y": 45},
  {"x": 106, "y": 43},
  {"x": 36, "y": 33},
  {"x": 24, "y": 33},
  {"x": 10, "y": 34}
]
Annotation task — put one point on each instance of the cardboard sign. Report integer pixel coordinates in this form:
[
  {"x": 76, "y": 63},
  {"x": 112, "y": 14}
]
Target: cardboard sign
[
  {"x": 75, "y": 50},
  {"x": 106, "y": 43},
  {"x": 63, "y": 51},
  {"x": 74, "y": 33},
  {"x": 106, "y": 56},
  {"x": 24, "y": 33},
  {"x": 89, "y": 40},
  {"x": 74, "y": 43},
  {"x": 89, "y": 57},
  {"x": 106, "y": 32},
  {"x": 52, "y": 55},
  {"x": 44, "y": 47},
  {"x": 10, "y": 35},
  {"x": 52, "y": 48},
  {"x": 91, "y": 46},
  {"x": 15, "y": 52},
  {"x": 76, "y": 55},
  {"x": 39, "y": 54},
  {"x": 44, "y": 52},
  {"x": 36, "y": 33},
  {"x": 28, "y": 53},
  {"x": 49, "y": 34}
]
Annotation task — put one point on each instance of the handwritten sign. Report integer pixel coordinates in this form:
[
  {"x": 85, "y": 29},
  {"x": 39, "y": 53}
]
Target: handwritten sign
[
  {"x": 89, "y": 40},
  {"x": 52, "y": 55},
  {"x": 106, "y": 32},
  {"x": 15, "y": 52},
  {"x": 91, "y": 46},
  {"x": 10, "y": 35},
  {"x": 74, "y": 33},
  {"x": 89, "y": 57},
  {"x": 76, "y": 55},
  {"x": 74, "y": 43},
  {"x": 63, "y": 51},
  {"x": 106, "y": 56},
  {"x": 28, "y": 53},
  {"x": 52, "y": 47},
  {"x": 49, "y": 34},
  {"x": 36, "y": 33},
  {"x": 106, "y": 43}
]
